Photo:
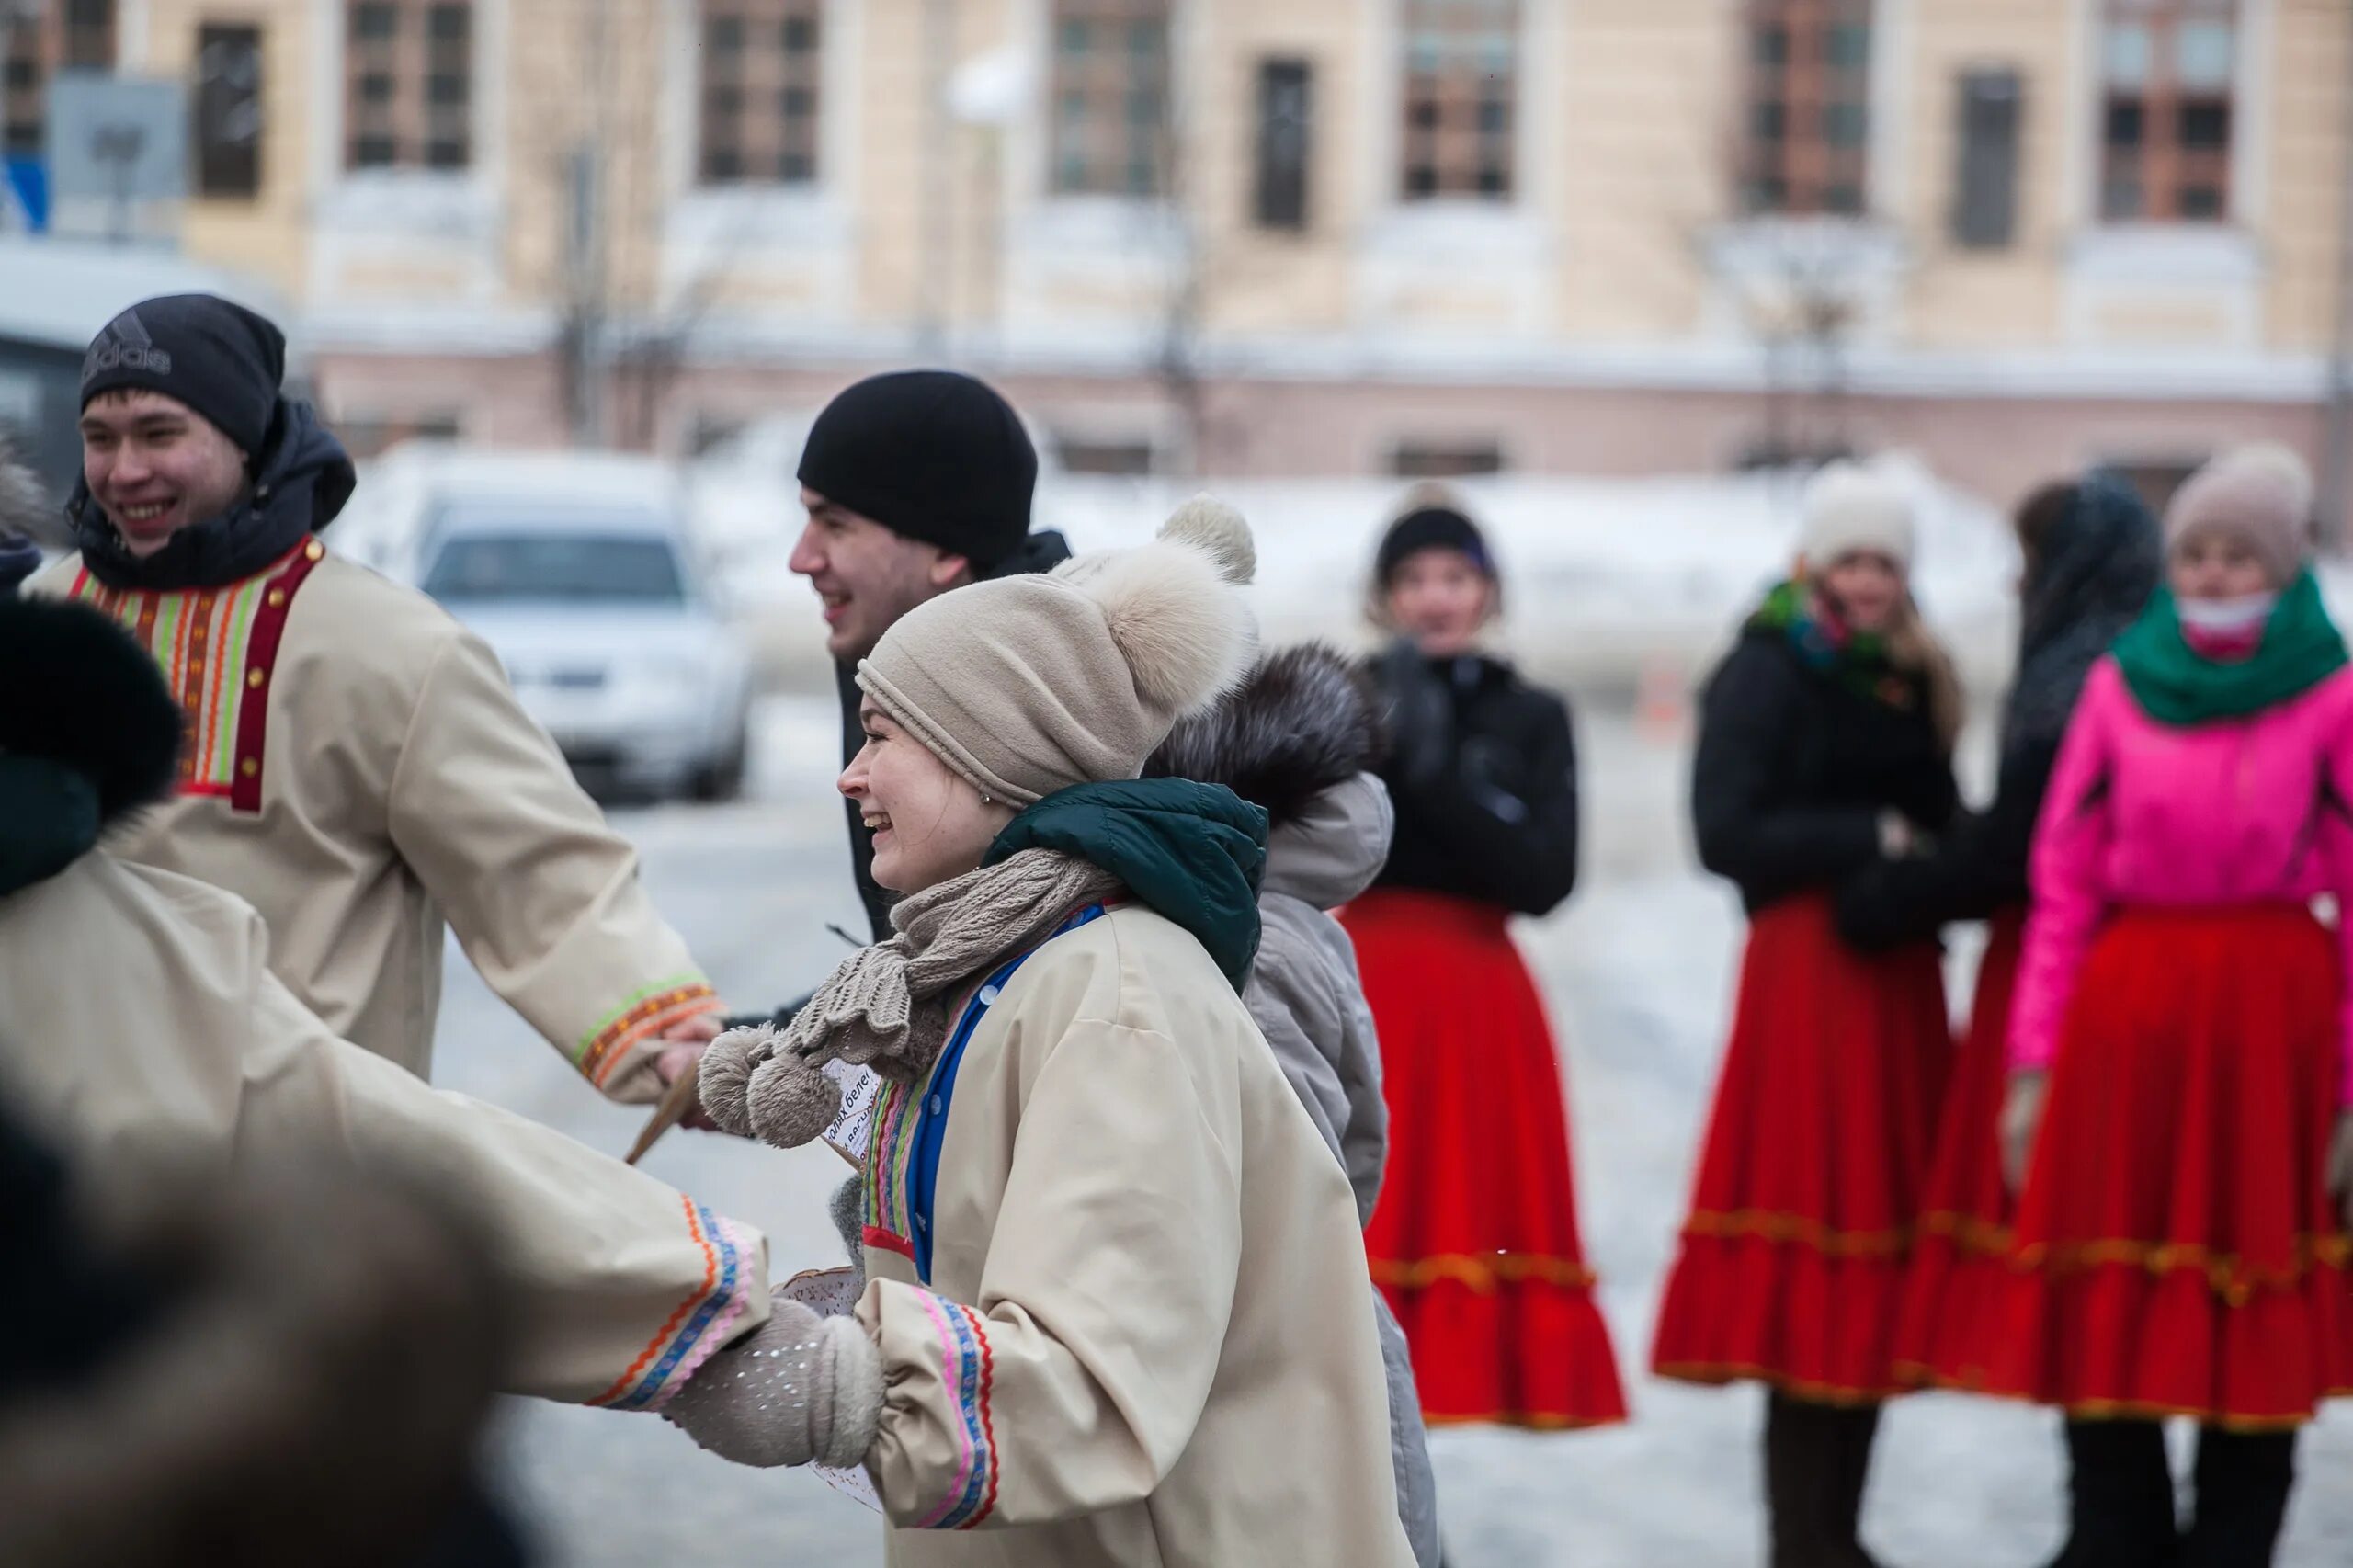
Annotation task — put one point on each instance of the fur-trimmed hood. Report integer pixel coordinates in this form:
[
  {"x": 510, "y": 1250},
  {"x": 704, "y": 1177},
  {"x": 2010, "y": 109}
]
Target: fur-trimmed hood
[
  {"x": 89, "y": 733},
  {"x": 1299, "y": 738}
]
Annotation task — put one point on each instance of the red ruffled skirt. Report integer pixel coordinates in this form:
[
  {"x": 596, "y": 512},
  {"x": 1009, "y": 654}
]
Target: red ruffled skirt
[
  {"x": 1965, "y": 1230},
  {"x": 1793, "y": 1257},
  {"x": 1474, "y": 1239},
  {"x": 2175, "y": 1251}
]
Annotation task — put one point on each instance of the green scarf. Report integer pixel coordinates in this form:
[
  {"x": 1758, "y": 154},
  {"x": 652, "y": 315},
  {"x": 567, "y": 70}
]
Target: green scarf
[
  {"x": 1192, "y": 852},
  {"x": 2175, "y": 685},
  {"x": 1856, "y": 660}
]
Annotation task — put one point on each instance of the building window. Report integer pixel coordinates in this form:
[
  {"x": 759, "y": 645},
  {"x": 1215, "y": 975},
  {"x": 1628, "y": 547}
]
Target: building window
[
  {"x": 1285, "y": 102},
  {"x": 1985, "y": 186},
  {"x": 1113, "y": 458},
  {"x": 1110, "y": 131},
  {"x": 1807, "y": 142},
  {"x": 408, "y": 84},
  {"x": 228, "y": 111},
  {"x": 760, "y": 82},
  {"x": 2166, "y": 68},
  {"x": 60, "y": 35},
  {"x": 1461, "y": 99},
  {"x": 1445, "y": 460}
]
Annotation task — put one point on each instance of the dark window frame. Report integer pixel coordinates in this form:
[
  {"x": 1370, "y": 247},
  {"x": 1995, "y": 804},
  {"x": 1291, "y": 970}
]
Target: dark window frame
[
  {"x": 1459, "y": 102},
  {"x": 1107, "y": 99},
  {"x": 66, "y": 34},
  {"x": 420, "y": 47},
  {"x": 759, "y": 109},
  {"x": 226, "y": 153},
  {"x": 2151, "y": 169},
  {"x": 1805, "y": 147},
  {"x": 1989, "y": 128}
]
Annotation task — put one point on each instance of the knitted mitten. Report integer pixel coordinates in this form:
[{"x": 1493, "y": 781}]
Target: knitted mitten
[
  {"x": 2021, "y": 1120},
  {"x": 801, "y": 1389},
  {"x": 846, "y": 1207}
]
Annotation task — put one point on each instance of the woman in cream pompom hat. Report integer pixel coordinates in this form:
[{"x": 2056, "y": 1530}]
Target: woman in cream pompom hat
[{"x": 1116, "y": 1309}]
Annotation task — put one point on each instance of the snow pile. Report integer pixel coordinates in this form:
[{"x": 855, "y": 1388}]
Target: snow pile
[{"x": 1615, "y": 586}]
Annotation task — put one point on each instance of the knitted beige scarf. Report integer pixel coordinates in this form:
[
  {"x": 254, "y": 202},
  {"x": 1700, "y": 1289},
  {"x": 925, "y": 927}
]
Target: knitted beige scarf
[{"x": 886, "y": 1006}]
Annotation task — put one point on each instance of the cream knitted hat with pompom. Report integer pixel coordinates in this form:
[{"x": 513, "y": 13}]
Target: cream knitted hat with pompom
[{"x": 1031, "y": 684}]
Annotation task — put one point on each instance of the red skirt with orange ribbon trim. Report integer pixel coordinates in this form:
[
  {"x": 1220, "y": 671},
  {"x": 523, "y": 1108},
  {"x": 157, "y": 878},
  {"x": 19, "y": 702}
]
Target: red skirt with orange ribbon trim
[
  {"x": 1474, "y": 1239},
  {"x": 1958, "y": 1255},
  {"x": 2176, "y": 1250},
  {"x": 1794, "y": 1255}
]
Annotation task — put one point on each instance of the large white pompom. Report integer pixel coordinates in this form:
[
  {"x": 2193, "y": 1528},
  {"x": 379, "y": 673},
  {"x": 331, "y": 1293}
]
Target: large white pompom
[
  {"x": 1172, "y": 607},
  {"x": 1217, "y": 530}
]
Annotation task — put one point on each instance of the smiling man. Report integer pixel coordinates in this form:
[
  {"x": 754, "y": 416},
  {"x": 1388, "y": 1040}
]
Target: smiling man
[
  {"x": 917, "y": 482},
  {"x": 353, "y": 762}
]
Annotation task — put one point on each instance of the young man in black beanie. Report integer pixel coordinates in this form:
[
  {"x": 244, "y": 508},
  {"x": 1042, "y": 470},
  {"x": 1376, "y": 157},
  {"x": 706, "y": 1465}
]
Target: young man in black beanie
[
  {"x": 917, "y": 482},
  {"x": 353, "y": 762}
]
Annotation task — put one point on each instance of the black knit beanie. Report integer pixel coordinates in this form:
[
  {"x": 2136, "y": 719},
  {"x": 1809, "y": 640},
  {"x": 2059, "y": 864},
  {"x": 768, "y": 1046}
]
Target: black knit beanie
[
  {"x": 930, "y": 454},
  {"x": 219, "y": 358},
  {"x": 1430, "y": 528}
]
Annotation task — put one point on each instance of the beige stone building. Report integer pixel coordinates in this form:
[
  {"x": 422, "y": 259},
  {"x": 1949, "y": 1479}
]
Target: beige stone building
[{"x": 1311, "y": 236}]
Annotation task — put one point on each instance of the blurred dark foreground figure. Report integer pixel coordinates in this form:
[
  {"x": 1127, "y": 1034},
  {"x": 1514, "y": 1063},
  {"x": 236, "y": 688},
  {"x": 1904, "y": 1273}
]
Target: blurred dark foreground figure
[{"x": 293, "y": 1369}]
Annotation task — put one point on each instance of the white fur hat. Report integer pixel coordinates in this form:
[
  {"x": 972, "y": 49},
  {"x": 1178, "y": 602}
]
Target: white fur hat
[
  {"x": 1849, "y": 510},
  {"x": 1029, "y": 684}
]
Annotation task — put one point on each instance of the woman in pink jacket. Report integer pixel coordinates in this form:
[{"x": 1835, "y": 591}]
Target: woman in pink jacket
[{"x": 2178, "y": 1046}]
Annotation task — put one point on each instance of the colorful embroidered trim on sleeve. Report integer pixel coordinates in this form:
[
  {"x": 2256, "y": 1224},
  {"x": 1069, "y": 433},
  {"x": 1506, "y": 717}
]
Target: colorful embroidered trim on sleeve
[
  {"x": 646, "y": 1012},
  {"x": 699, "y": 1326},
  {"x": 968, "y": 1370}
]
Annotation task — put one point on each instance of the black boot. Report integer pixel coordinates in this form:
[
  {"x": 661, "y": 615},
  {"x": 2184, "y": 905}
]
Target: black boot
[
  {"x": 2119, "y": 1491},
  {"x": 1817, "y": 1459},
  {"x": 1857, "y": 1429},
  {"x": 2243, "y": 1479}
]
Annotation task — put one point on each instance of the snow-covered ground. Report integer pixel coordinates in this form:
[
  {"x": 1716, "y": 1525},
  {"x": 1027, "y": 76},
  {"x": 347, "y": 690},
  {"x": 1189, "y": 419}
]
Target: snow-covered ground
[{"x": 1636, "y": 971}]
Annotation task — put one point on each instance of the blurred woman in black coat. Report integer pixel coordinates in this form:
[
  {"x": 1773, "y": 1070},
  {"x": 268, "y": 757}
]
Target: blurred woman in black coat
[
  {"x": 1825, "y": 740},
  {"x": 1474, "y": 1239}
]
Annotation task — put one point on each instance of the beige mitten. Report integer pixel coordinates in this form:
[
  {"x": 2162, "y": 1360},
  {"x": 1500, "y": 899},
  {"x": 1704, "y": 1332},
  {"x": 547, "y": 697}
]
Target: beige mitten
[
  {"x": 2340, "y": 1168},
  {"x": 2021, "y": 1121},
  {"x": 801, "y": 1389}
]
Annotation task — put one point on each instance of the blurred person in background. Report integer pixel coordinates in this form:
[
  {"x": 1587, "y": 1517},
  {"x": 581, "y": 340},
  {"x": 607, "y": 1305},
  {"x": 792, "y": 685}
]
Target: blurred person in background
[
  {"x": 144, "y": 1034},
  {"x": 1115, "y": 1310},
  {"x": 2092, "y": 558},
  {"x": 2176, "y": 1122},
  {"x": 1474, "y": 1241},
  {"x": 1826, "y": 741},
  {"x": 1298, "y": 740},
  {"x": 354, "y": 764}
]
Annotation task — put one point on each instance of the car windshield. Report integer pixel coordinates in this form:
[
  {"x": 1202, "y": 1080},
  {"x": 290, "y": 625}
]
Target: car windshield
[{"x": 481, "y": 562}]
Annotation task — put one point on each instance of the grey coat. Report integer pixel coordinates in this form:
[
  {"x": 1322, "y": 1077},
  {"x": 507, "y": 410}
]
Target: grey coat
[
  {"x": 1300, "y": 739},
  {"x": 1307, "y": 1000}
]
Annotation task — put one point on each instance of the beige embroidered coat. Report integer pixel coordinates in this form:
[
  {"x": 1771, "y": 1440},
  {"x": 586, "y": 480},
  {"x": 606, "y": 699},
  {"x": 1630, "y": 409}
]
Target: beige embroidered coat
[
  {"x": 143, "y": 1030},
  {"x": 357, "y": 767},
  {"x": 1148, "y": 1337}
]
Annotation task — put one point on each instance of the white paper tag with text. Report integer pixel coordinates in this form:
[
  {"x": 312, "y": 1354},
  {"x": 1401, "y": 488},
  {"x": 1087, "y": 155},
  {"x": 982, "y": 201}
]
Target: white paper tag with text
[{"x": 861, "y": 1088}]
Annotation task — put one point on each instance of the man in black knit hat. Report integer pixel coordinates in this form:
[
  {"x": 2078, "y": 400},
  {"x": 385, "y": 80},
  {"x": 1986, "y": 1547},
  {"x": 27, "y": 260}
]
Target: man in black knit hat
[
  {"x": 354, "y": 763},
  {"x": 916, "y": 483}
]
